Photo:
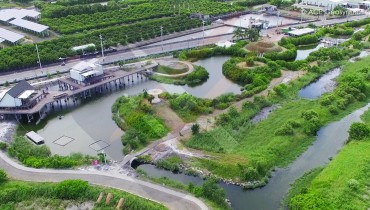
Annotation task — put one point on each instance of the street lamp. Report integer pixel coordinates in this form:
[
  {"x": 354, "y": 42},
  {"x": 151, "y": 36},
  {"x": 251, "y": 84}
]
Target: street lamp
[
  {"x": 162, "y": 37},
  {"x": 101, "y": 45},
  {"x": 38, "y": 56},
  {"x": 203, "y": 30}
]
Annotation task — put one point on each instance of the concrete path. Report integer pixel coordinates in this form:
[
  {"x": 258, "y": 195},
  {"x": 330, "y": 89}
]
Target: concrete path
[{"x": 170, "y": 198}]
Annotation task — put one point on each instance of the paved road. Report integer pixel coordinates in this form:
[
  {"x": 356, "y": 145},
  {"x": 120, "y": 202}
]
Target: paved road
[{"x": 170, "y": 198}]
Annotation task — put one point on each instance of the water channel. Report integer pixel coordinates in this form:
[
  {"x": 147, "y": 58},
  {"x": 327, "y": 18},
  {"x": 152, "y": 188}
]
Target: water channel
[
  {"x": 330, "y": 139},
  {"x": 91, "y": 122}
]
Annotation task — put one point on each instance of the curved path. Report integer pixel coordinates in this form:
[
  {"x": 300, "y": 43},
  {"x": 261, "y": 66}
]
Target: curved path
[
  {"x": 188, "y": 64},
  {"x": 170, "y": 198}
]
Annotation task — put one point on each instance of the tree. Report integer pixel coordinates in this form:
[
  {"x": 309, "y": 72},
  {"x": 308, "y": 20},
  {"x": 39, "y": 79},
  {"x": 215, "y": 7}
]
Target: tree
[
  {"x": 252, "y": 34},
  {"x": 195, "y": 129},
  {"x": 239, "y": 33},
  {"x": 359, "y": 131}
]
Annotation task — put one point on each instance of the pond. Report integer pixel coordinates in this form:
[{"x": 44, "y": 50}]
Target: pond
[
  {"x": 330, "y": 139},
  {"x": 89, "y": 127},
  {"x": 326, "y": 83},
  {"x": 304, "y": 51}
]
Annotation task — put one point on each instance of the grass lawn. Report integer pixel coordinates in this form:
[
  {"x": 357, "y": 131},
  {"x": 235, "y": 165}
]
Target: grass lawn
[
  {"x": 169, "y": 70},
  {"x": 30, "y": 195},
  {"x": 343, "y": 184}
]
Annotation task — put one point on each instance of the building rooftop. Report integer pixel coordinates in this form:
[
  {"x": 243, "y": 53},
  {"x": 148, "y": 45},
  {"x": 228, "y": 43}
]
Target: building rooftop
[
  {"x": 10, "y": 35},
  {"x": 300, "y": 32},
  {"x": 8, "y": 14},
  {"x": 85, "y": 66},
  {"x": 19, "y": 88},
  {"x": 29, "y": 25},
  {"x": 35, "y": 137}
]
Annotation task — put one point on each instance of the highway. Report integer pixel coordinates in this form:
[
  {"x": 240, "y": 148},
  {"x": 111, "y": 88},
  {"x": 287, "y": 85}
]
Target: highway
[{"x": 170, "y": 198}]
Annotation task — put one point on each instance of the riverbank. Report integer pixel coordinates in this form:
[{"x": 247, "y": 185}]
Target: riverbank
[{"x": 341, "y": 184}]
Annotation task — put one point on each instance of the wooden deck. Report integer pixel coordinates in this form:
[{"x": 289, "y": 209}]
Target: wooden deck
[{"x": 111, "y": 77}]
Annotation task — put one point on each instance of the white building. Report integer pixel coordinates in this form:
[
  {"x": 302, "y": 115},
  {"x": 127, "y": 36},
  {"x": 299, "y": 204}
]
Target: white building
[
  {"x": 16, "y": 96},
  {"x": 301, "y": 32},
  {"x": 331, "y": 4},
  {"x": 85, "y": 72}
]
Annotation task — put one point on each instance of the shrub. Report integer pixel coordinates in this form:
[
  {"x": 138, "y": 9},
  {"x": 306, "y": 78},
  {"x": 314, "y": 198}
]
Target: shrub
[
  {"x": 309, "y": 114},
  {"x": 312, "y": 126},
  {"x": 353, "y": 184},
  {"x": 333, "y": 110},
  {"x": 3, "y": 146},
  {"x": 71, "y": 189},
  {"x": 3, "y": 176},
  {"x": 170, "y": 163},
  {"x": 195, "y": 129},
  {"x": 359, "y": 131},
  {"x": 285, "y": 130}
]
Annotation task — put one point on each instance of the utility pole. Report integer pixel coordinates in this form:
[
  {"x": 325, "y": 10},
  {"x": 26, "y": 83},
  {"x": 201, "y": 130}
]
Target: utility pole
[
  {"x": 162, "y": 37},
  {"x": 101, "y": 45},
  {"x": 38, "y": 56},
  {"x": 203, "y": 30}
]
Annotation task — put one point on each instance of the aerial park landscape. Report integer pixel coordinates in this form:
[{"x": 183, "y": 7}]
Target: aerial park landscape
[{"x": 173, "y": 104}]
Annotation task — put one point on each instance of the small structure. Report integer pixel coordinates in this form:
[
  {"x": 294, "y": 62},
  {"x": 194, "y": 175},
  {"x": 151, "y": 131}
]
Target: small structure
[
  {"x": 83, "y": 47},
  {"x": 270, "y": 9},
  {"x": 225, "y": 44},
  {"x": 16, "y": 96},
  {"x": 155, "y": 93},
  {"x": 200, "y": 16},
  {"x": 301, "y": 32},
  {"x": 10, "y": 36},
  {"x": 36, "y": 138},
  {"x": 84, "y": 72}
]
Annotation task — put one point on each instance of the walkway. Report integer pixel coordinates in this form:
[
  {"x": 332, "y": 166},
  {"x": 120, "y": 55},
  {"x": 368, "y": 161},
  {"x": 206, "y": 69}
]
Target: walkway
[{"x": 170, "y": 198}]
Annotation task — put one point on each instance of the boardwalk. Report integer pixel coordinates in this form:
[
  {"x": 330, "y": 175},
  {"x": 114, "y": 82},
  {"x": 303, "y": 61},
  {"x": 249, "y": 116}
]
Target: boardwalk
[{"x": 72, "y": 90}]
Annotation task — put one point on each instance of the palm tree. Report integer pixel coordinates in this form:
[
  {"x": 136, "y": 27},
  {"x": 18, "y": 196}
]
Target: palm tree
[
  {"x": 252, "y": 34},
  {"x": 239, "y": 33}
]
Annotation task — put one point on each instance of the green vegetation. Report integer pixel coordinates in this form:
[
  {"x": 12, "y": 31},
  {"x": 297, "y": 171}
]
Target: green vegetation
[
  {"x": 171, "y": 164},
  {"x": 196, "y": 77},
  {"x": 301, "y": 185},
  {"x": 86, "y": 17},
  {"x": 344, "y": 183},
  {"x": 40, "y": 156},
  {"x": 213, "y": 194},
  {"x": 169, "y": 70},
  {"x": 3, "y": 145},
  {"x": 189, "y": 107},
  {"x": 240, "y": 151},
  {"x": 18, "y": 194},
  {"x": 136, "y": 117}
]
